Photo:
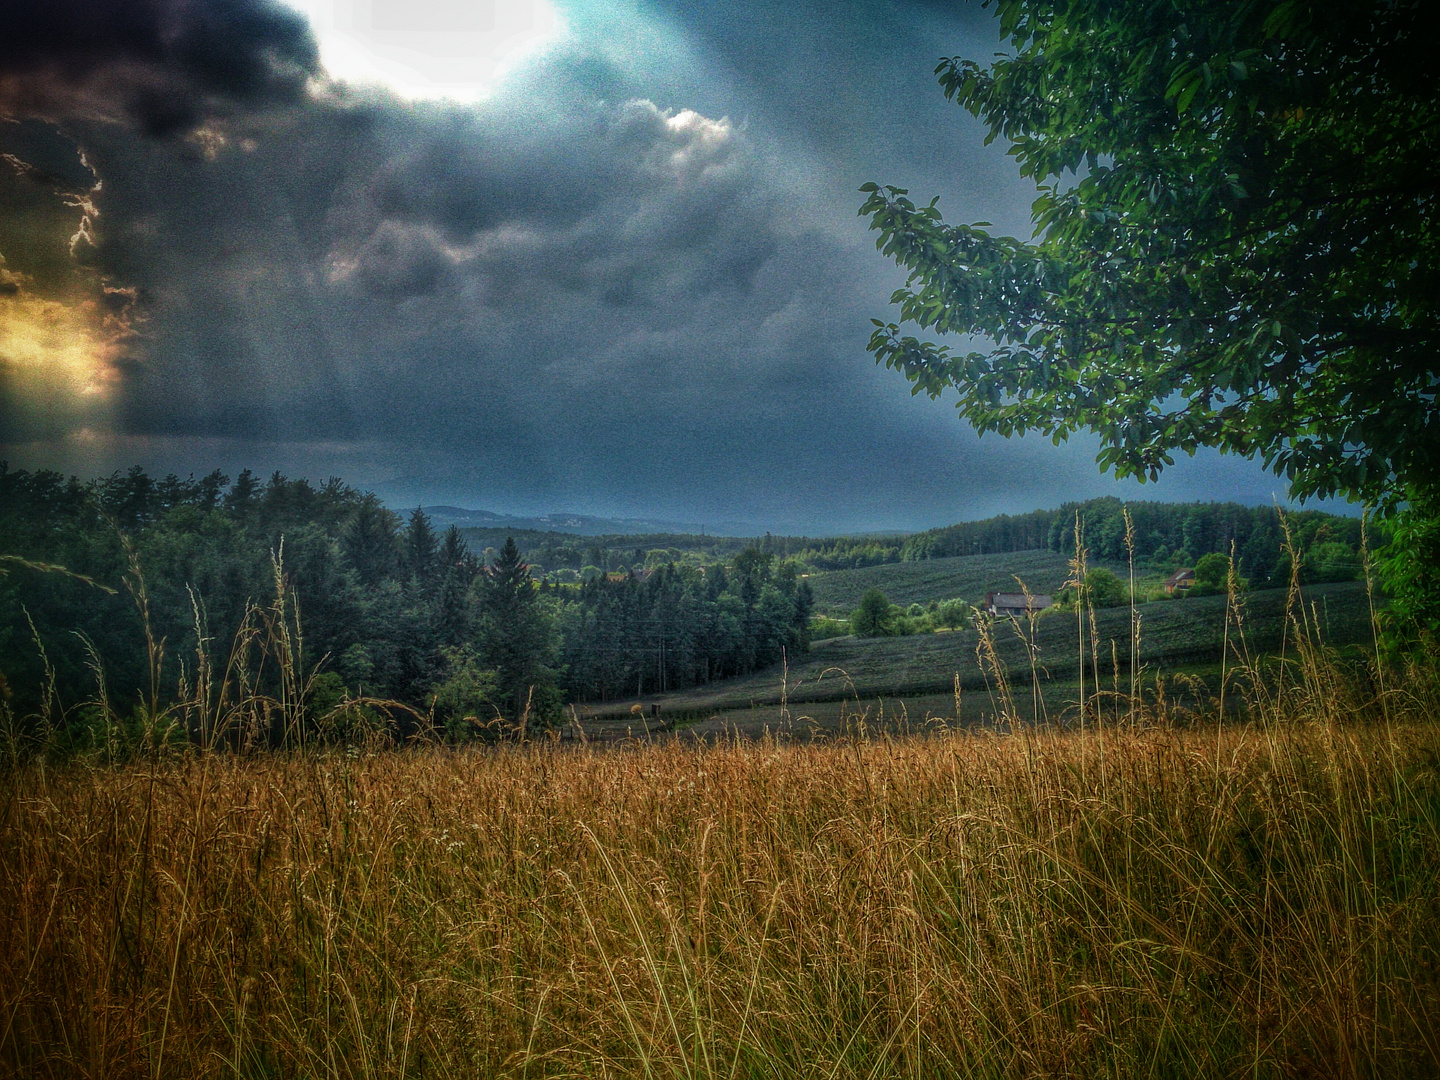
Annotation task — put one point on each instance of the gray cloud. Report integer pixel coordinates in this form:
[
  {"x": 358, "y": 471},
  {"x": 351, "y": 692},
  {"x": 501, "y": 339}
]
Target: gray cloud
[
  {"x": 164, "y": 64},
  {"x": 624, "y": 203}
]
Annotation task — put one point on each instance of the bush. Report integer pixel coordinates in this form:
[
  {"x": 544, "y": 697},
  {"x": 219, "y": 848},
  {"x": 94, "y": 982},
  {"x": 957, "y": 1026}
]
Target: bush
[
  {"x": 822, "y": 628},
  {"x": 1212, "y": 575}
]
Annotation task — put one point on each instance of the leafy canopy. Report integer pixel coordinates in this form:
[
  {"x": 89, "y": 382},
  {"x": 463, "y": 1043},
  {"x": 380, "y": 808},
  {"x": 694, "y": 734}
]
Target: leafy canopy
[
  {"x": 1235, "y": 242},
  {"x": 872, "y": 618}
]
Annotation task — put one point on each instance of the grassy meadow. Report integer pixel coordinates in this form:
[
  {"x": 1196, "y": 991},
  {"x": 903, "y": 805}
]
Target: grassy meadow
[
  {"x": 1175, "y": 637},
  {"x": 1140, "y": 899},
  {"x": 966, "y": 577}
]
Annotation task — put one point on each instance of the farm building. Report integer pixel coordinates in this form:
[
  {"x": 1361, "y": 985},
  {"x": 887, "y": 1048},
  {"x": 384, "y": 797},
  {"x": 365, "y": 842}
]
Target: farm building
[
  {"x": 1014, "y": 603},
  {"x": 1180, "y": 581}
]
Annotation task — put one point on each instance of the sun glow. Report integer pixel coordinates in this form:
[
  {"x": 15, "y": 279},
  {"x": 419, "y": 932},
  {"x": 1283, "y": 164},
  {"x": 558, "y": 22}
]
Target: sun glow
[
  {"x": 51, "y": 351},
  {"x": 427, "y": 49}
]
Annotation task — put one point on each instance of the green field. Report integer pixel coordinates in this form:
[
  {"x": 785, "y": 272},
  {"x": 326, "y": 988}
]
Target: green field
[
  {"x": 964, "y": 577},
  {"x": 1174, "y": 635}
]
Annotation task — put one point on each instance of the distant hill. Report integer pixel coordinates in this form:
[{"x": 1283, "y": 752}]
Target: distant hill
[{"x": 576, "y": 524}]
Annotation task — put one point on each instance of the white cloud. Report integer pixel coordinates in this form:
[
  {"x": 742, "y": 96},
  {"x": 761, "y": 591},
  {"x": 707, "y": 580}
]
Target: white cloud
[{"x": 427, "y": 49}]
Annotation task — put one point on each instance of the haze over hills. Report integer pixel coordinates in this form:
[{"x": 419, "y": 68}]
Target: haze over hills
[{"x": 442, "y": 517}]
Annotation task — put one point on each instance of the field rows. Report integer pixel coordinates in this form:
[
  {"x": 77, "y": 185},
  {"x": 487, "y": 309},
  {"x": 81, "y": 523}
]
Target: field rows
[
  {"x": 965, "y": 577},
  {"x": 1172, "y": 634}
]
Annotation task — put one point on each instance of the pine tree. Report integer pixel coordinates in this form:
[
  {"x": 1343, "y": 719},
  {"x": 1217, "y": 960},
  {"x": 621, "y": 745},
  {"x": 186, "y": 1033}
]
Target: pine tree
[
  {"x": 239, "y": 498},
  {"x": 517, "y": 639},
  {"x": 421, "y": 547},
  {"x": 369, "y": 541}
]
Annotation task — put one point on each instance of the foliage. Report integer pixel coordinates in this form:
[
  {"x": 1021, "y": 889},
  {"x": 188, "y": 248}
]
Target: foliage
[
  {"x": 823, "y": 628},
  {"x": 952, "y": 614},
  {"x": 466, "y": 694},
  {"x": 1235, "y": 244},
  {"x": 622, "y": 552},
  {"x": 386, "y": 610},
  {"x": 1102, "y": 589},
  {"x": 873, "y": 616},
  {"x": 516, "y": 635},
  {"x": 377, "y": 604},
  {"x": 1212, "y": 576},
  {"x": 683, "y": 625},
  {"x": 1411, "y": 575},
  {"x": 1021, "y": 532},
  {"x": 1168, "y": 536}
]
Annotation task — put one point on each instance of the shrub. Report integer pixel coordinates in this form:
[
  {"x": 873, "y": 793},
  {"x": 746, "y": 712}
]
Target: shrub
[
  {"x": 1102, "y": 589},
  {"x": 1212, "y": 574}
]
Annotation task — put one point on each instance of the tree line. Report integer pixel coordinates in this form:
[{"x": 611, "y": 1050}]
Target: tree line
[
  {"x": 683, "y": 625},
  {"x": 386, "y": 607},
  {"x": 1175, "y": 535}
]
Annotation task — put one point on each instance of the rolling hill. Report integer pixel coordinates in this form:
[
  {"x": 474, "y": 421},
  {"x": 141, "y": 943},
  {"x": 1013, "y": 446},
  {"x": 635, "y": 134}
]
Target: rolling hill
[
  {"x": 966, "y": 577},
  {"x": 1173, "y": 634}
]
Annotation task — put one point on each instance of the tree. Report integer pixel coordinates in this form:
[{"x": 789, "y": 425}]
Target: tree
[
  {"x": 1212, "y": 575},
  {"x": 1102, "y": 589},
  {"x": 872, "y": 618},
  {"x": 421, "y": 545},
  {"x": 241, "y": 497},
  {"x": 463, "y": 694},
  {"x": 1412, "y": 576},
  {"x": 517, "y": 638},
  {"x": 370, "y": 540},
  {"x": 458, "y": 569},
  {"x": 1235, "y": 242}
]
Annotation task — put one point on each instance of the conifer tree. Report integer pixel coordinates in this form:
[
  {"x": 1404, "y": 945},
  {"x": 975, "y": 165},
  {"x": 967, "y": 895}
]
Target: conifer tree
[
  {"x": 421, "y": 546},
  {"x": 517, "y": 638}
]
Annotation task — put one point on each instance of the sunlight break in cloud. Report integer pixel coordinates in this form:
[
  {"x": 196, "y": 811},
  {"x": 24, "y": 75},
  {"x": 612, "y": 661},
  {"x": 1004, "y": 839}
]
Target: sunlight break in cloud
[{"x": 456, "y": 49}]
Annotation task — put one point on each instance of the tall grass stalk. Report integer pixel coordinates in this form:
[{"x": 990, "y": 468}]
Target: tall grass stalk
[{"x": 963, "y": 904}]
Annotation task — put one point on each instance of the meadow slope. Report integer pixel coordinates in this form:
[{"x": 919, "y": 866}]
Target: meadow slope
[
  {"x": 1172, "y": 634},
  {"x": 1257, "y": 901},
  {"x": 964, "y": 577}
]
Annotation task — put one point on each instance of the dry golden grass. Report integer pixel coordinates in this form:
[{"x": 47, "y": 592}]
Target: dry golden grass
[{"x": 1257, "y": 900}]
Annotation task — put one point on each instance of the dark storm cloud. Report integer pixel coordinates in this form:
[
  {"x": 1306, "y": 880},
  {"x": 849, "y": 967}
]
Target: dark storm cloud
[
  {"x": 622, "y": 202},
  {"x": 530, "y": 266},
  {"x": 165, "y": 64},
  {"x": 613, "y": 286}
]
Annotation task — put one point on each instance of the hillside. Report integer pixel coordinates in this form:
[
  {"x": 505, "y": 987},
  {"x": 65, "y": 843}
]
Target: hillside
[
  {"x": 966, "y": 577},
  {"x": 1173, "y": 633}
]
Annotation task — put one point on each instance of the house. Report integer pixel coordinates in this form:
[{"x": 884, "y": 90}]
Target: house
[
  {"x": 1179, "y": 582},
  {"x": 1015, "y": 603}
]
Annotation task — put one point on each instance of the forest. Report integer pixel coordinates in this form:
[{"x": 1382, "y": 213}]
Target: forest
[
  {"x": 388, "y": 608},
  {"x": 385, "y": 606}
]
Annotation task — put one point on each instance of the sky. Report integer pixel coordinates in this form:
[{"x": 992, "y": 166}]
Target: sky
[{"x": 524, "y": 257}]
